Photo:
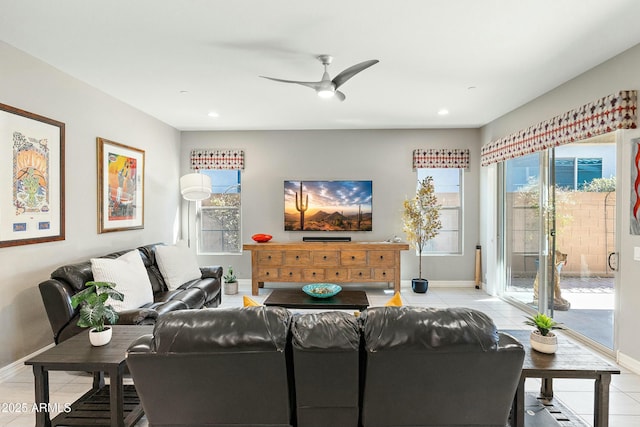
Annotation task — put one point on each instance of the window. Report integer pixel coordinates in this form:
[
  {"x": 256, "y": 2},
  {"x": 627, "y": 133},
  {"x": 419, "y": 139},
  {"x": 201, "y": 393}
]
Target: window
[
  {"x": 448, "y": 188},
  {"x": 574, "y": 173},
  {"x": 219, "y": 216}
]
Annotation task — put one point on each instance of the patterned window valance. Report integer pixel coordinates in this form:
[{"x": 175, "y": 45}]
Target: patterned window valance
[
  {"x": 613, "y": 112},
  {"x": 217, "y": 159},
  {"x": 441, "y": 158}
]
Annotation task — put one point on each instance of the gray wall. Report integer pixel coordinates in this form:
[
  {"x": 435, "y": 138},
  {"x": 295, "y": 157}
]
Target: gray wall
[
  {"x": 619, "y": 73},
  {"x": 383, "y": 156},
  {"x": 34, "y": 86}
]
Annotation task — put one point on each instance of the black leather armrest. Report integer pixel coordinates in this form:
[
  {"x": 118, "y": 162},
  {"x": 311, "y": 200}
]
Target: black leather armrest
[
  {"x": 141, "y": 344},
  {"x": 507, "y": 341},
  {"x": 138, "y": 316},
  {"x": 212, "y": 271}
]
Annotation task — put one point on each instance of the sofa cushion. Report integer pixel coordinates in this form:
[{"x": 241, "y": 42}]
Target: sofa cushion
[
  {"x": 428, "y": 329},
  {"x": 227, "y": 330},
  {"x": 395, "y": 301},
  {"x": 177, "y": 264},
  {"x": 329, "y": 330},
  {"x": 130, "y": 277}
]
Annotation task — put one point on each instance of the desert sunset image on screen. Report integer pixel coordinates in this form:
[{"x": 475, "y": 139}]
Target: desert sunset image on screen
[{"x": 328, "y": 205}]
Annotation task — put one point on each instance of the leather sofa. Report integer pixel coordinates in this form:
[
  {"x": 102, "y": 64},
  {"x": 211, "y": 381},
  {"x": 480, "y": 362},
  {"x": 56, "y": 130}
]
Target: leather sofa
[
  {"x": 222, "y": 367},
  {"x": 259, "y": 366},
  {"x": 69, "y": 279}
]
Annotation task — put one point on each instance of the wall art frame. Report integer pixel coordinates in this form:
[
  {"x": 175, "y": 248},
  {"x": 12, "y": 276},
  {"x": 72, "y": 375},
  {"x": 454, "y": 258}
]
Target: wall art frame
[
  {"x": 120, "y": 186},
  {"x": 32, "y": 200}
]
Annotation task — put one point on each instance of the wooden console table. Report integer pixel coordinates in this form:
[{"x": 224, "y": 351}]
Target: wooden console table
[{"x": 335, "y": 262}]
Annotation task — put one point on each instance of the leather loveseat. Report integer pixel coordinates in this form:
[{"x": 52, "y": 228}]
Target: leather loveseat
[
  {"x": 259, "y": 366},
  {"x": 69, "y": 279}
]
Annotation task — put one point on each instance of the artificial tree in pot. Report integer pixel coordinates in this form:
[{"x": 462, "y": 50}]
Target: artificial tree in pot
[
  {"x": 94, "y": 310},
  {"x": 421, "y": 223}
]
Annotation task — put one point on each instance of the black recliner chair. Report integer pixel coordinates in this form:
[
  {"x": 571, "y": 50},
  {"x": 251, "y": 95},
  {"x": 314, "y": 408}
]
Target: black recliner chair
[
  {"x": 326, "y": 352},
  {"x": 437, "y": 367},
  {"x": 216, "y": 367}
]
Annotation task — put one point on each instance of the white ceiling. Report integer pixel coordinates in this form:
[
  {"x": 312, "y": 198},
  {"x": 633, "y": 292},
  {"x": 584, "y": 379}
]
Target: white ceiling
[{"x": 178, "y": 60}]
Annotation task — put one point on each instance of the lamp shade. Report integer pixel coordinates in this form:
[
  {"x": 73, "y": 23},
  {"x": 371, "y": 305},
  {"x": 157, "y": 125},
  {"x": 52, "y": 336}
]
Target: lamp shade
[{"x": 195, "y": 186}]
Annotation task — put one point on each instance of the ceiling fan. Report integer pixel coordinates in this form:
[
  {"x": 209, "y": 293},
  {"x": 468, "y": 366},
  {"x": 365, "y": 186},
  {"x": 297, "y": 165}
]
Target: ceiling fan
[{"x": 327, "y": 88}]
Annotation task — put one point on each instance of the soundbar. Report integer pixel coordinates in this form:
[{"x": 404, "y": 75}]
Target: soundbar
[{"x": 325, "y": 239}]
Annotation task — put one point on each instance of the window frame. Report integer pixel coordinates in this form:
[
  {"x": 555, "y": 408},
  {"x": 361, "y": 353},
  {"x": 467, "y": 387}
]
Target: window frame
[
  {"x": 421, "y": 173},
  {"x": 215, "y": 188}
]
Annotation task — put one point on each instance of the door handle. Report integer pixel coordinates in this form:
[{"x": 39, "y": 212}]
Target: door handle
[{"x": 612, "y": 261}]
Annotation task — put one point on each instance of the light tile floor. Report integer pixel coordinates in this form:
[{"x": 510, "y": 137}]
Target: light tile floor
[{"x": 16, "y": 392}]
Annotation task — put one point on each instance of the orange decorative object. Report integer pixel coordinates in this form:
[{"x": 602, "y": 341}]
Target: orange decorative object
[{"x": 261, "y": 238}]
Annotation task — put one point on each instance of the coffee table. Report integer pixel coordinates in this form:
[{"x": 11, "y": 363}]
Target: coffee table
[
  {"x": 570, "y": 361},
  {"x": 296, "y": 298},
  {"x": 111, "y": 405}
]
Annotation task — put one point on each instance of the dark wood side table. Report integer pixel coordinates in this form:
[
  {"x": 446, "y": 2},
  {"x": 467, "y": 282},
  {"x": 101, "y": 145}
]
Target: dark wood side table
[
  {"x": 296, "y": 298},
  {"x": 570, "y": 361},
  {"x": 113, "y": 404}
]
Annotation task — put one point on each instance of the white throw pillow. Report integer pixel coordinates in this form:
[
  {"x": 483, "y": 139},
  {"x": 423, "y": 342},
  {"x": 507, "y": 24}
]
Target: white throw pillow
[
  {"x": 177, "y": 264},
  {"x": 129, "y": 275}
]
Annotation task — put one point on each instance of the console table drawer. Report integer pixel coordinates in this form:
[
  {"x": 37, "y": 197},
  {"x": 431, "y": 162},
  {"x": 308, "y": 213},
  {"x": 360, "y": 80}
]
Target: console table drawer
[
  {"x": 290, "y": 274},
  {"x": 337, "y": 274},
  {"x": 353, "y": 257},
  {"x": 297, "y": 258},
  {"x": 329, "y": 258},
  {"x": 313, "y": 274},
  {"x": 268, "y": 274},
  {"x": 359, "y": 274},
  {"x": 270, "y": 257},
  {"x": 384, "y": 274},
  {"x": 381, "y": 258}
]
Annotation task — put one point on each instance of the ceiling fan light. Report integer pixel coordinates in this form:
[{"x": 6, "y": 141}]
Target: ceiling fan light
[{"x": 325, "y": 93}]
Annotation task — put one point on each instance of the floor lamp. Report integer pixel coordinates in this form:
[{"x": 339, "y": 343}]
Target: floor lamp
[{"x": 193, "y": 187}]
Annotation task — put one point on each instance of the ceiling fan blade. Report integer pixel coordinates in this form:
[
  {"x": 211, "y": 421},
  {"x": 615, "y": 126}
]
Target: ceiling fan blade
[
  {"x": 339, "y": 95},
  {"x": 312, "y": 85},
  {"x": 341, "y": 78}
]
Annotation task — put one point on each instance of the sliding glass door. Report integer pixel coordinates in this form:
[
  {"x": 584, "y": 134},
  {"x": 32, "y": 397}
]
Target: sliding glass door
[{"x": 558, "y": 251}]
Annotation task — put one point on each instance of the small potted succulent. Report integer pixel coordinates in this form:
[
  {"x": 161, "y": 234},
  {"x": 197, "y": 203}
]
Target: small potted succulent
[
  {"x": 542, "y": 338},
  {"x": 95, "y": 312},
  {"x": 230, "y": 282}
]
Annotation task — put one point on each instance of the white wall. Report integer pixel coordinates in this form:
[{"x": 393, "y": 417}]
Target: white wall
[
  {"x": 619, "y": 73},
  {"x": 34, "y": 86},
  {"x": 383, "y": 156}
]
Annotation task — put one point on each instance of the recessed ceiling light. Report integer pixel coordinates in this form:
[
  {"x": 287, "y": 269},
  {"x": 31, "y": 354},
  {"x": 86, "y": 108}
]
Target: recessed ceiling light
[
  {"x": 443, "y": 112},
  {"x": 213, "y": 114}
]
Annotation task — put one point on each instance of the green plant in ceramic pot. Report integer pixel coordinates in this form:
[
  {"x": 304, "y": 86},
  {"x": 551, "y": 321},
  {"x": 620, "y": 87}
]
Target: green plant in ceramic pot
[
  {"x": 230, "y": 282},
  {"x": 421, "y": 223},
  {"x": 95, "y": 313},
  {"x": 542, "y": 338}
]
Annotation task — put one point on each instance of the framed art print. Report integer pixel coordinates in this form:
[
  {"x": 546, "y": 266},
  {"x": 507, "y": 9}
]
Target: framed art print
[
  {"x": 120, "y": 187},
  {"x": 31, "y": 178}
]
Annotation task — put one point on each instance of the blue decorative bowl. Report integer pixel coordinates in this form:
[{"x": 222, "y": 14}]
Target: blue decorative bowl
[{"x": 321, "y": 290}]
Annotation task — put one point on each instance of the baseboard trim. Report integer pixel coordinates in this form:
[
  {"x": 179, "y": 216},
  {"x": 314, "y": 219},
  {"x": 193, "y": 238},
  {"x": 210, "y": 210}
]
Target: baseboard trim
[
  {"x": 444, "y": 283},
  {"x": 15, "y": 367},
  {"x": 628, "y": 362}
]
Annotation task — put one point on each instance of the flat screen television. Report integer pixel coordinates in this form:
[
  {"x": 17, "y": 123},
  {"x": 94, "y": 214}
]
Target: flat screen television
[{"x": 328, "y": 205}]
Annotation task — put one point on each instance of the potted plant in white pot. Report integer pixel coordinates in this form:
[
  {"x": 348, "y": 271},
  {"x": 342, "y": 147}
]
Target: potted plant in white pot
[
  {"x": 542, "y": 338},
  {"x": 95, "y": 312},
  {"x": 230, "y": 282},
  {"x": 421, "y": 223}
]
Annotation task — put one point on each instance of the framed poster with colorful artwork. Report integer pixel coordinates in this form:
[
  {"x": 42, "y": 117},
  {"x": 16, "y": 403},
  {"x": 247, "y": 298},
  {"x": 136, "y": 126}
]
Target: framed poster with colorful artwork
[
  {"x": 31, "y": 178},
  {"x": 120, "y": 187}
]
